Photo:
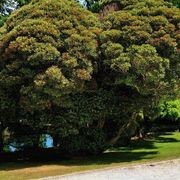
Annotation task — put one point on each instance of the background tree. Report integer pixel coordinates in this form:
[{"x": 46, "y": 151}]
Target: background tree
[
  {"x": 92, "y": 5},
  {"x": 133, "y": 56},
  {"x": 171, "y": 110},
  {"x": 7, "y": 6},
  {"x": 175, "y": 2}
]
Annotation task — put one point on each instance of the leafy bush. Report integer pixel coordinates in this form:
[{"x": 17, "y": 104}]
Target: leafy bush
[{"x": 171, "y": 110}]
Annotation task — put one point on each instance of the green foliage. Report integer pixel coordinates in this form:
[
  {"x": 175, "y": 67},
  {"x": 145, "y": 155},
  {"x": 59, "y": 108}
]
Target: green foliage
[
  {"x": 171, "y": 110},
  {"x": 23, "y": 2},
  {"x": 135, "y": 66},
  {"x": 2, "y": 20},
  {"x": 89, "y": 141},
  {"x": 133, "y": 46},
  {"x": 175, "y": 2},
  {"x": 126, "y": 3},
  {"x": 53, "y": 55}
]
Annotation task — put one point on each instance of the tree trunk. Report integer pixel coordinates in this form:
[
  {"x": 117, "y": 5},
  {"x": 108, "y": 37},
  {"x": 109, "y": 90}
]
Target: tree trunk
[
  {"x": 111, "y": 7},
  {"x": 101, "y": 123},
  {"x": 36, "y": 142},
  {"x": 55, "y": 141},
  {"x": 114, "y": 140},
  {"x": 1, "y": 138},
  {"x": 1, "y": 144}
]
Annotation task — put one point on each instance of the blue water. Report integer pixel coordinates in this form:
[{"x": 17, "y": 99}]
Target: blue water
[{"x": 48, "y": 143}]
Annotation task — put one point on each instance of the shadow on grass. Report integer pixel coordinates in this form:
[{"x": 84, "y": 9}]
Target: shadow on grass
[
  {"x": 145, "y": 149},
  {"x": 165, "y": 140},
  {"x": 104, "y": 159},
  {"x": 149, "y": 143}
]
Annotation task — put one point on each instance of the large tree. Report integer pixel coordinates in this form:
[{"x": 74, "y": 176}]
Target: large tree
[
  {"x": 47, "y": 52},
  {"x": 140, "y": 50},
  {"x": 87, "y": 81}
]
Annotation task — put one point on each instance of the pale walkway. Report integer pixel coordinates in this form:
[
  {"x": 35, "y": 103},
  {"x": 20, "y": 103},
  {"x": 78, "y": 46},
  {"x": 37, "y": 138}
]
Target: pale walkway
[{"x": 166, "y": 170}]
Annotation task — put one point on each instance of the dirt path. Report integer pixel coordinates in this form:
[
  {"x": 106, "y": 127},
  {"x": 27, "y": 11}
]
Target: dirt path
[{"x": 165, "y": 170}]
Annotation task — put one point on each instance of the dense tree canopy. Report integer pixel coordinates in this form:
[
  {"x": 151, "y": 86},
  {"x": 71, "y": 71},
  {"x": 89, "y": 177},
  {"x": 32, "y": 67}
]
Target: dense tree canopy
[
  {"x": 87, "y": 81},
  {"x": 140, "y": 49},
  {"x": 143, "y": 29},
  {"x": 47, "y": 51}
]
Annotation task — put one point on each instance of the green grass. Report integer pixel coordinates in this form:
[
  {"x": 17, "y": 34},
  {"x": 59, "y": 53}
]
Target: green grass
[{"x": 162, "y": 147}]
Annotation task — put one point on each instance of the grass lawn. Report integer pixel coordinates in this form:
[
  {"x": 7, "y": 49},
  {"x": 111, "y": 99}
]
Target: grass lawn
[{"x": 162, "y": 147}]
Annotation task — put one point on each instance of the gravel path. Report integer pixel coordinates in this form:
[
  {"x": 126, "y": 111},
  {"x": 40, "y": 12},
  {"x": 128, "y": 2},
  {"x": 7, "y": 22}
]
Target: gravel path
[{"x": 165, "y": 170}]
